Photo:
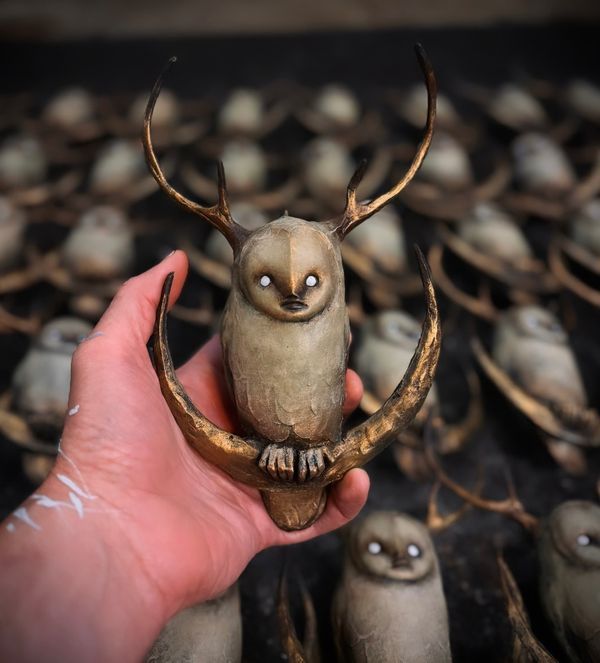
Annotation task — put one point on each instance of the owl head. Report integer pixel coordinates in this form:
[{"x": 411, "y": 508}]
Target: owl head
[
  {"x": 289, "y": 270},
  {"x": 573, "y": 531},
  {"x": 532, "y": 322},
  {"x": 397, "y": 328},
  {"x": 392, "y": 545},
  {"x": 62, "y": 335}
]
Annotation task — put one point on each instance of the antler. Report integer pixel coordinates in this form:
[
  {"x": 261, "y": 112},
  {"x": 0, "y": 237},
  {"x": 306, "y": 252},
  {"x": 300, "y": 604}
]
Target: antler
[
  {"x": 511, "y": 506},
  {"x": 218, "y": 215},
  {"x": 355, "y": 213}
]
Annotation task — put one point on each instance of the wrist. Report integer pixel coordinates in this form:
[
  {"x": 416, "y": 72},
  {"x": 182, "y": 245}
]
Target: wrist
[{"x": 71, "y": 586}]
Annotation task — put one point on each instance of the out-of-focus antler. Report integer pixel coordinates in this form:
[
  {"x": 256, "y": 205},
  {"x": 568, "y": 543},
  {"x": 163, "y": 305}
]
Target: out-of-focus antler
[
  {"x": 355, "y": 213},
  {"x": 511, "y": 506},
  {"x": 218, "y": 215}
]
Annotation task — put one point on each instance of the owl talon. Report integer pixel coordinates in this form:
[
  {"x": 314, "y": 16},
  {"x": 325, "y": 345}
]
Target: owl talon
[{"x": 285, "y": 463}]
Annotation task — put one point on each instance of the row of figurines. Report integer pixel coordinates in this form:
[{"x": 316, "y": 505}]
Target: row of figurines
[
  {"x": 530, "y": 361},
  {"x": 79, "y": 116},
  {"x": 389, "y": 604},
  {"x": 549, "y": 179},
  {"x": 487, "y": 239}
]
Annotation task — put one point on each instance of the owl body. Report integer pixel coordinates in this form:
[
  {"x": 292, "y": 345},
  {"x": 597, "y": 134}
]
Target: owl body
[
  {"x": 386, "y": 347},
  {"x": 447, "y": 164},
  {"x": 382, "y": 240},
  {"x": 285, "y": 358},
  {"x": 569, "y": 554},
  {"x": 391, "y": 610},
  {"x": 12, "y": 234},
  {"x": 42, "y": 380},
  {"x": 493, "y": 232},
  {"x": 532, "y": 347},
  {"x": 540, "y": 165},
  {"x": 585, "y": 226},
  {"x": 101, "y": 246},
  {"x": 209, "y": 632}
]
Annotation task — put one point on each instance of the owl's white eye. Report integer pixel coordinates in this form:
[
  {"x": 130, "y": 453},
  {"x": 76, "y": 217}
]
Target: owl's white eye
[
  {"x": 311, "y": 280},
  {"x": 265, "y": 280},
  {"x": 413, "y": 550},
  {"x": 583, "y": 540},
  {"x": 374, "y": 548}
]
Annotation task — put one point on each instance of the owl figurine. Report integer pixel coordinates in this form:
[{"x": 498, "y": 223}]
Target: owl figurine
[
  {"x": 209, "y": 632},
  {"x": 569, "y": 555},
  {"x": 101, "y": 246},
  {"x": 42, "y": 380},
  {"x": 390, "y": 605},
  {"x": 531, "y": 345},
  {"x": 383, "y": 353}
]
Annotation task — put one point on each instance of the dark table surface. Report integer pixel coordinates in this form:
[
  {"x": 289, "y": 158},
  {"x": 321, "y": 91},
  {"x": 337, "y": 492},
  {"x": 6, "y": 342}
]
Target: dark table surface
[{"x": 368, "y": 62}]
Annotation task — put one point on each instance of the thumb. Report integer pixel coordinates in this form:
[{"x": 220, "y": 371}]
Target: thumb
[
  {"x": 129, "y": 320},
  {"x": 123, "y": 331}
]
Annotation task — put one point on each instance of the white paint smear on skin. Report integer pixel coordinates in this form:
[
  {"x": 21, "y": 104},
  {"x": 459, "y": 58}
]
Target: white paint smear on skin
[
  {"x": 74, "y": 410},
  {"x": 77, "y": 503},
  {"x": 10, "y": 527},
  {"x": 21, "y": 514},
  {"x": 74, "y": 487}
]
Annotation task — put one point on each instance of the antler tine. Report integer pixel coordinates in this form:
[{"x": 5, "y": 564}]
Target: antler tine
[
  {"x": 511, "y": 507},
  {"x": 218, "y": 215},
  {"x": 355, "y": 213}
]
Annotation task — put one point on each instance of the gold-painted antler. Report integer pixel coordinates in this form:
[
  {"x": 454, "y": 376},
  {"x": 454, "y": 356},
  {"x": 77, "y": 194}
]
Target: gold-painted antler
[
  {"x": 218, "y": 215},
  {"x": 355, "y": 213}
]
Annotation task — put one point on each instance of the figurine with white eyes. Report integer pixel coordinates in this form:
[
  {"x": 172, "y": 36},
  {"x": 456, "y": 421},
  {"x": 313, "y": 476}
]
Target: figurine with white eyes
[
  {"x": 390, "y": 604},
  {"x": 376, "y": 252},
  {"x": 445, "y": 187},
  {"x": 491, "y": 242},
  {"x": 547, "y": 182},
  {"x": 249, "y": 168},
  {"x": 534, "y": 366},
  {"x": 209, "y": 632},
  {"x": 33, "y": 417},
  {"x": 24, "y": 166},
  {"x": 19, "y": 268},
  {"x": 118, "y": 174},
  {"x": 335, "y": 111},
  {"x": 582, "y": 97},
  {"x": 383, "y": 352},
  {"x": 249, "y": 113},
  {"x": 326, "y": 166},
  {"x": 580, "y": 247},
  {"x": 569, "y": 554},
  {"x": 96, "y": 257}
]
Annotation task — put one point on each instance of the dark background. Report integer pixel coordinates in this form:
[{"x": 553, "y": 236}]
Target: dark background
[{"x": 369, "y": 62}]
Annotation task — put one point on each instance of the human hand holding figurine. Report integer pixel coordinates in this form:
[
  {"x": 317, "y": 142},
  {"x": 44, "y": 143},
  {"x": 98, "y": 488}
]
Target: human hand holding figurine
[{"x": 132, "y": 525}]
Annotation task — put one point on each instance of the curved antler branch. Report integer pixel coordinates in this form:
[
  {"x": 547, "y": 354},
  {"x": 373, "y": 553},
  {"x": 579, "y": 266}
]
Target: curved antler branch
[
  {"x": 370, "y": 437},
  {"x": 218, "y": 215},
  {"x": 511, "y": 506},
  {"x": 355, "y": 213},
  {"x": 232, "y": 454}
]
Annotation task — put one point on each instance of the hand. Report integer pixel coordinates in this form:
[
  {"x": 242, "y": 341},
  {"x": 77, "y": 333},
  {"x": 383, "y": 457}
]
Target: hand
[{"x": 177, "y": 529}]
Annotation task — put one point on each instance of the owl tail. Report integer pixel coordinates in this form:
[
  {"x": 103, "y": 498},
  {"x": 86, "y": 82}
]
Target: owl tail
[{"x": 297, "y": 509}]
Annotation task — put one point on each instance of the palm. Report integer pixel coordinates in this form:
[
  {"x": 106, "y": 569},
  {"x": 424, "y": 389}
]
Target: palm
[{"x": 193, "y": 528}]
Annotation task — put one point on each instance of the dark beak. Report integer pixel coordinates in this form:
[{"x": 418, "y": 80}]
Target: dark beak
[{"x": 293, "y": 303}]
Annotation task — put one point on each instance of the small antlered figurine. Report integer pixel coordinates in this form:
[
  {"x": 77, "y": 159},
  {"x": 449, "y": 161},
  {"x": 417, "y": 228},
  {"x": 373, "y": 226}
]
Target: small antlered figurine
[{"x": 285, "y": 337}]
